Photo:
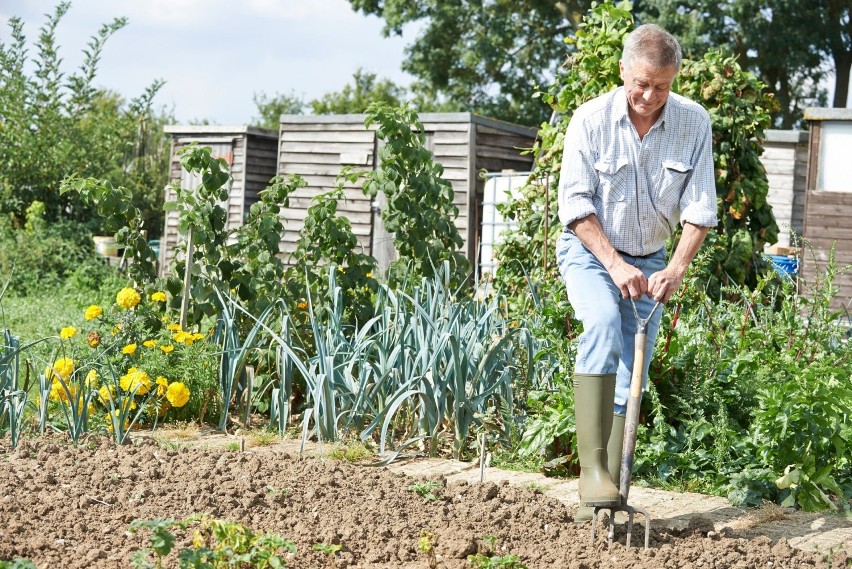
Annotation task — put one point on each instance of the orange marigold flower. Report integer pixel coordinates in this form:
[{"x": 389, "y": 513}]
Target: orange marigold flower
[{"x": 93, "y": 338}]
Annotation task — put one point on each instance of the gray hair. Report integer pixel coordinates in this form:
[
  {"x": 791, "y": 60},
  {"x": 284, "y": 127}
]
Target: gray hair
[{"x": 651, "y": 44}]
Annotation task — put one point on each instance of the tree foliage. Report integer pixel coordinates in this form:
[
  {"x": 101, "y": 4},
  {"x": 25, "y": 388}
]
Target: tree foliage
[
  {"x": 357, "y": 96},
  {"x": 353, "y": 98},
  {"x": 788, "y": 44},
  {"x": 54, "y": 124},
  {"x": 483, "y": 56},
  {"x": 270, "y": 108},
  {"x": 487, "y": 56}
]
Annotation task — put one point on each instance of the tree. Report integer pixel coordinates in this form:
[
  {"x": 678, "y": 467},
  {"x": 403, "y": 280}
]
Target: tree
[
  {"x": 352, "y": 98},
  {"x": 53, "y": 125},
  {"x": 271, "y": 108},
  {"x": 786, "y": 43},
  {"x": 355, "y": 98},
  {"x": 836, "y": 23},
  {"x": 484, "y": 56}
]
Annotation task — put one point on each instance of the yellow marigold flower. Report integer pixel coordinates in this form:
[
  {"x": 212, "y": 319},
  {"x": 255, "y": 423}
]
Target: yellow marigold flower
[
  {"x": 63, "y": 367},
  {"x": 369, "y": 275},
  {"x": 58, "y": 392},
  {"x": 177, "y": 394},
  {"x": 135, "y": 380},
  {"x": 302, "y": 306},
  {"x": 162, "y": 385},
  {"x": 173, "y": 327},
  {"x": 106, "y": 394},
  {"x": 94, "y": 311},
  {"x": 158, "y": 296},
  {"x": 113, "y": 418},
  {"x": 68, "y": 332},
  {"x": 197, "y": 336},
  {"x": 93, "y": 338},
  {"x": 92, "y": 378},
  {"x": 129, "y": 349},
  {"x": 182, "y": 337},
  {"x": 167, "y": 349},
  {"x": 127, "y": 298},
  {"x": 149, "y": 343}
]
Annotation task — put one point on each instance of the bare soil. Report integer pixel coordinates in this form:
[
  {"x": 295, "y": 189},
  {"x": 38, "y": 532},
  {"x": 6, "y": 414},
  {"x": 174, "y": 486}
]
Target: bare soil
[{"x": 71, "y": 507}]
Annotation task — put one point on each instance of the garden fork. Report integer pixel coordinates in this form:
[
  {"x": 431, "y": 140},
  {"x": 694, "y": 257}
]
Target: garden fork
[{"x": 630, "y": 425}]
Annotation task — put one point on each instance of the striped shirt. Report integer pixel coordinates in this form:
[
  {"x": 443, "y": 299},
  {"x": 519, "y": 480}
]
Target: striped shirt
[{"x": 640, "y": 190}]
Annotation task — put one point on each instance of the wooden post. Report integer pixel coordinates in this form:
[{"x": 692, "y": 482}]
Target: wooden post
[{"x": 187, "y": 274}]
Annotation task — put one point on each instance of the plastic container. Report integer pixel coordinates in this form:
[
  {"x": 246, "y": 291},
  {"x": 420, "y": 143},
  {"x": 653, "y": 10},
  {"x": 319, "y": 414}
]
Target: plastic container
[
  {"x": 784, "y": 265},
  {"x": 155, "y": 246},
  {"x": 105, "y": 245}
]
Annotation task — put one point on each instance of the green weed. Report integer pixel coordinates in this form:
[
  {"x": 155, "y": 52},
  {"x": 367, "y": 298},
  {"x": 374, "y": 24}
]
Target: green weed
[{"x": 427, "y": 489}]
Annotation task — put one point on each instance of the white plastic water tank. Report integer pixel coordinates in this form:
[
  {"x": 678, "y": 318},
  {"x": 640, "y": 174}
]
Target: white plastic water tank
[{"x": 498, "y": 188}]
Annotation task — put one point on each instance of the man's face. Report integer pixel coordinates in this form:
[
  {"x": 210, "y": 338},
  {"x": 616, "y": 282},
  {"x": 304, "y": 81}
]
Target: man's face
[{"x": 647, "y": 87}]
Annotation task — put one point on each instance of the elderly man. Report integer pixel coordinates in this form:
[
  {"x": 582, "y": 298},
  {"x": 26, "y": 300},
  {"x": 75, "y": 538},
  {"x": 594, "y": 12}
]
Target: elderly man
[{"x": 637, "y": 162}]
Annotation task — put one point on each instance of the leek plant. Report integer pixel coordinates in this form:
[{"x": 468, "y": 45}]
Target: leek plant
[
  {"x": 124, "y": 409},
  {"x": 426, "y": 366},
  {"x": 13, "y": 395},
  {"x": 235, "y": 350},
  {"x": 456, "y": 362}
]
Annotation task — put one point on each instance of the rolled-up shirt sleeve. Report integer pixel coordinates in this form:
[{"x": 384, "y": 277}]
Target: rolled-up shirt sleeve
[
  {"x": 577, "y": 178},
  {"x": 698, "y": 201}
]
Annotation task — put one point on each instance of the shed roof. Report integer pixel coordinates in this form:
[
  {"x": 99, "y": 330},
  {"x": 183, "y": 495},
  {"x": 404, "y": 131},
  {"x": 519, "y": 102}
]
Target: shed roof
[
  {"x": 424, "y": 118},
  {"x": 218, "y": 130},
  {"x": 827, "y": 114}
]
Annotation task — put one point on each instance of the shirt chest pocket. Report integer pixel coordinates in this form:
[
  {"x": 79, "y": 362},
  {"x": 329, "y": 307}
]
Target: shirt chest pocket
[
  {"x": 612, "y": 179},
  {"x": 673, "y": 179}
]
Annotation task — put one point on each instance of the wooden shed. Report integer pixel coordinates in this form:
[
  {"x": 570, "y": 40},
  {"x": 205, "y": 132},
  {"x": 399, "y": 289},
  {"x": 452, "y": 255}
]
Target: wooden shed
[
  {"x": 465, "y": 144},
  {"x": 252, "y": 154},
  {"x": 785, "y": 157},
  {"x": 828, "y": 201}
]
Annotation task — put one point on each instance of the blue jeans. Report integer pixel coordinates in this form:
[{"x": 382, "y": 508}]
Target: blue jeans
[{"x": 609, "y": 326}]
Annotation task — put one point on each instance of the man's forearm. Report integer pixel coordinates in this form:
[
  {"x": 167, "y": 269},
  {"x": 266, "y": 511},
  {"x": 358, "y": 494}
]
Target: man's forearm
[
  {"x": 589, "y": 231},
  {"x": 690, "y": 242}
]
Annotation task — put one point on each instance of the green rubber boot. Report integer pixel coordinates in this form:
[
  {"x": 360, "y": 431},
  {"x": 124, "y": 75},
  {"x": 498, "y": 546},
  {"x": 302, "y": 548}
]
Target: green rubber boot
[
  {"x": 593, "y": 409},
  {"x": 613, "y": 454}
]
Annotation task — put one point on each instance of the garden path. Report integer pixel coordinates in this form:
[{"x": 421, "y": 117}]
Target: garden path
[{"x": 676, "y": 510}]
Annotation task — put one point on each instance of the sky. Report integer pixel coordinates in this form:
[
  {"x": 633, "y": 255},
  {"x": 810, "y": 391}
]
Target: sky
[{"x": 214, "y": 55}]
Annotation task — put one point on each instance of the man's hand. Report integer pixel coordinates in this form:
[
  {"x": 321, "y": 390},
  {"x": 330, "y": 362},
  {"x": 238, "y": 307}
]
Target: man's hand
[
  {"x": 629, "y": 280},
  {"x": 662, "y": 285}
]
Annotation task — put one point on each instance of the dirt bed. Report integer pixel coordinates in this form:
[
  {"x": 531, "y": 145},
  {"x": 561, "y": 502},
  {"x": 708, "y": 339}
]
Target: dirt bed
[{"x": 68, "y": 507}]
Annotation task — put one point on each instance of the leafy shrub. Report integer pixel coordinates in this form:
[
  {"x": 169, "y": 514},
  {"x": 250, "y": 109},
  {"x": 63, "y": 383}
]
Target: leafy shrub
[
  {"x": 752, "y": 395},
  {"x": 56, "y": 123},
  {"x": 41, "y": 257}
]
